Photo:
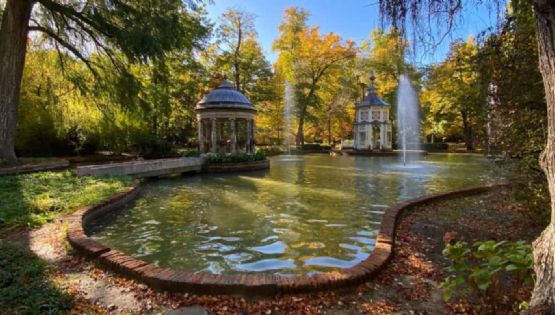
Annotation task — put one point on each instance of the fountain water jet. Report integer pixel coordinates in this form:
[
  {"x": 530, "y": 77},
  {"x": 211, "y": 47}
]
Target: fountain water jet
[
  {"x": 408, "y": 118},
  {"x": 289, "y": 104}
]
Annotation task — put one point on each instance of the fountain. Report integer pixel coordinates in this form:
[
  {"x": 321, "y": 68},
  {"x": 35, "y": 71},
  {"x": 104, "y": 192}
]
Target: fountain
[
  {"x": 289, "y": 103},
  {"x": 408, "y": 121}
]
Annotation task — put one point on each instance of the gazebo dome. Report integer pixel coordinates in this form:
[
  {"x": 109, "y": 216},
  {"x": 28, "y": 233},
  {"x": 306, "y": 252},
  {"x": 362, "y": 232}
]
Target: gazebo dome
[{"x": 225, "y": 96}]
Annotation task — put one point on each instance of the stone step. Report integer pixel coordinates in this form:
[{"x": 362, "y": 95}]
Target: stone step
[{"x": 148, "y": 168}]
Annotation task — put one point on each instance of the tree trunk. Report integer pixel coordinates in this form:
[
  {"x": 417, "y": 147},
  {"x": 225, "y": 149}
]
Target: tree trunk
[
  {"x": 299, "y": 139},
  {"x": 543, "y": 296},
  {"x": 13, "y": 47},
  {"x": 467, "y": 132},
  {"x": 237, "y": 56},
  {"x": 330, "y": 140}
]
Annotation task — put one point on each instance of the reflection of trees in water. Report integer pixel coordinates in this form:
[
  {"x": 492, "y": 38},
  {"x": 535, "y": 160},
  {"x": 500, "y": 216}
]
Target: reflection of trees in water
[{"x": 314, "y": 210}]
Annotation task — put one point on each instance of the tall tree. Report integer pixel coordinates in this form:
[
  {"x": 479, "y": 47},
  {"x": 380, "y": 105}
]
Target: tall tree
[
  {"x": 237, "y": 30},
  {"x": 138, "y": 29},
  {"x": 384, "y": 54},
  {"x": 305, "y": 57},
  {"x": 507, "y": 63},
  {"x": 420, "y": 11},
  {"x": 454, "y": 91}
]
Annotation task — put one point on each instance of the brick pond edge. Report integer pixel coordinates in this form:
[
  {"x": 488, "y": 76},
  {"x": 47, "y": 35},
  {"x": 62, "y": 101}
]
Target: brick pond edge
[{"x": 246, "y": 284}]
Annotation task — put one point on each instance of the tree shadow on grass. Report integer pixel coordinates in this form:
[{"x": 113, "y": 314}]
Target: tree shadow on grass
[{"x": 26, "y": 286}]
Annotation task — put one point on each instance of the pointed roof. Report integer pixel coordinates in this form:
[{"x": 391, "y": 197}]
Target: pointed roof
[{"x": 371, "y": 98}]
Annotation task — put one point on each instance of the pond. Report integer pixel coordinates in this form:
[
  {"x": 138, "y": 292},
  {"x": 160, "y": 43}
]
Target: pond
[{"x": 306, "y": 214}]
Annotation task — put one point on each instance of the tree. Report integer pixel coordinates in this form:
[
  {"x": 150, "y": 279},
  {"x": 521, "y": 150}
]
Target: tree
[
  {"x": 384, "y": 54},
  {"x": 235, "y": 29},
  {"x": 270, "y": 114},
  {"x": 305, "y": 58},
  {"x": 237, "y": 53},
  {"x": 507, "y": 63},
  {"x": 397, "y": 11},
  {"x": 138, "y": 29},
  {"x": 454, "y": 91}
]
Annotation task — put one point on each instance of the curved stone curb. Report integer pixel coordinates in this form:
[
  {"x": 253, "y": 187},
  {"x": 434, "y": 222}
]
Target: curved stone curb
[
  {"x": 37, "y": 167},
  {"x": 237, "y": 167},
  {"x": 248, "y": 284}
]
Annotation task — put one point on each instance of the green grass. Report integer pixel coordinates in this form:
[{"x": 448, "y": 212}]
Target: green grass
[
  {"x": 37, "y": 198},
  {"x": 25, "y": 286},
  {"x": 30, "y": 160}
]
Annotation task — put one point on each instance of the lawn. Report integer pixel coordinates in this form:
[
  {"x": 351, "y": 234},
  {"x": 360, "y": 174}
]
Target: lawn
[
  {"x": 25, "y": 284},
  {"x": 36, "y": 198}
]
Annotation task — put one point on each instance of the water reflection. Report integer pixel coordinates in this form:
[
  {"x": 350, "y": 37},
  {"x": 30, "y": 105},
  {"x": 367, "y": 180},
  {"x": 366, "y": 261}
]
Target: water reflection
[{"x": 307, "y": 214}]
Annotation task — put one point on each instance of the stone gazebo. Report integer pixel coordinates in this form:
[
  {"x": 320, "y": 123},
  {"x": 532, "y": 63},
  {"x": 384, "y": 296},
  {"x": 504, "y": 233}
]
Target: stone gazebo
[{"x": 225, "y": 121}]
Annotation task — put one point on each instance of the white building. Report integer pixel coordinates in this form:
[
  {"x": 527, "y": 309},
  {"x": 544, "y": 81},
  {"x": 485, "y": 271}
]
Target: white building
[{"x": 372, "y": 130}]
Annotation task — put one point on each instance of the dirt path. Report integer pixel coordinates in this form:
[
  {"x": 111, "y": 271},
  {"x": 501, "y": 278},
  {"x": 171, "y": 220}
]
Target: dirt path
[{"x": 408, "y": 285}]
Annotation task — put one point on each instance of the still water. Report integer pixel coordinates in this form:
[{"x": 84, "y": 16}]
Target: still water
[{"x": 306, "y": 214}]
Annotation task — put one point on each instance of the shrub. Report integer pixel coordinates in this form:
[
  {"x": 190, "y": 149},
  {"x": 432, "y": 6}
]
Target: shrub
[
  {"x": 315, "y": 147},
  {"x": 494, "y": 271},
  {"x": 155, "y": 148},
  {"x": 438, "y": 146},
  {"x": 271, "y": 150},
  {"x": 236, "y": 157},
  {"x": 190, "y": 153}
]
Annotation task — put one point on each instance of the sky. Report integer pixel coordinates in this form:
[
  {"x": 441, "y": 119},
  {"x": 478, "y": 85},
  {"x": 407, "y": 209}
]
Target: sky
[{"x": 352, "y": 19}]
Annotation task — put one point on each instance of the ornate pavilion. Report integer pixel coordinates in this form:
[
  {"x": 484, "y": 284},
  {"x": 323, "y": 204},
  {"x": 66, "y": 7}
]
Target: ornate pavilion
[
  {"x": 225, "y": 121},
  {"x": 372, "y": 128}
]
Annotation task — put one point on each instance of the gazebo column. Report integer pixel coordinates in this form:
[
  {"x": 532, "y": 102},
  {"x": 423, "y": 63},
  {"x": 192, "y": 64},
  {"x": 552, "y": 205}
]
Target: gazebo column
[
  {"x": 200, "y": 136},
  {"x": 233, "y": 134},
  {"x": 213, "y": 136},
  {"x": 370, "y": 136},
  {"x": 253, "y": 134},
  {"x": 382, "y": 135},
  {"x": 249, "y": 127}
]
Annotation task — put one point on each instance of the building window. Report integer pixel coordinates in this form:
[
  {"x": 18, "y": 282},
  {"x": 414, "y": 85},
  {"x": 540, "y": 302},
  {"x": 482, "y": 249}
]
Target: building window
[
  {"x": 385, "y": 115},
  {"x": 364, "y": 116},
  {"x": 375, "y": 115}
]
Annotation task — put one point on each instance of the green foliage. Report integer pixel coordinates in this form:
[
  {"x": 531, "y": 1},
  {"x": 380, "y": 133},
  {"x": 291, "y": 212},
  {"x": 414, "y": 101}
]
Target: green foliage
[
  {"x": 508, "y": 64},
  {"x": 315, "y": 147},
  {"x": 533, "y": 195},
  {"x": 155, "y": 148},
  {"x": 36, "y": 198},
  {"x": 491, "y": 270},
  {"x": 236, "y": 157},
  {"x": 271, "y": 149},
  {"x": 306, "y": 60},
  {"x": 25, "y": 287},
  {"x": 451, "y": 101},
  {"x": 190, "y": 153},
  {"x": 137, "y": 29},
  {"x": 438, "y": 146}
]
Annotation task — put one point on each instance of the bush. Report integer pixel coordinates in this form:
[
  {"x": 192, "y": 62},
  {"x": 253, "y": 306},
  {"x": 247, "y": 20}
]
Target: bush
[
  {"x": 440, "y": 146},
  {"x": 494, "y": 271},
  {"x": 190, "y": 153},
  {"x": 271, "y": 150},
  {"x": 236, "y": 157},
  {"x": 155, "y": 148},
  {"x": 315, "y": 147}
]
